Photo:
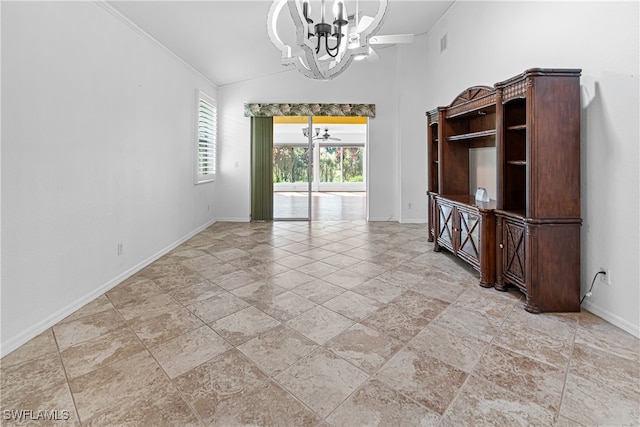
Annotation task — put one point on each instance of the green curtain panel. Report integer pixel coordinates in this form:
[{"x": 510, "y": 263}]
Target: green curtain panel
[{"x": 261, "y": 168}]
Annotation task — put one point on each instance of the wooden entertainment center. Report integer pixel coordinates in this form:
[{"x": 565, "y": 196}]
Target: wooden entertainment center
[{"x": 529, "y": 236}]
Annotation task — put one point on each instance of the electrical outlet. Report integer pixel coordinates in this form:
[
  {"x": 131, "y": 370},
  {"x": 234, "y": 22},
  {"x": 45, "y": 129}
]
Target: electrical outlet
[
  {"x": 410, "y": 205},
  {"x": 606, "y": 277},
  {"x": 120, "y": 248}
]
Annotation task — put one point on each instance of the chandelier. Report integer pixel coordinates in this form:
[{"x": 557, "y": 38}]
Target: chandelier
[{"x": 323, "y": 47}]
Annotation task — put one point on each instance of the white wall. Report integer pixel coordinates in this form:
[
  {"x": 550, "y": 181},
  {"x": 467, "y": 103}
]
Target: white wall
[
  {"x": 363, "y": 82},
  {"x": 412, "y": 103},
  {"x": 492, "y": 41},
  {"x": 97, "y": 148}
]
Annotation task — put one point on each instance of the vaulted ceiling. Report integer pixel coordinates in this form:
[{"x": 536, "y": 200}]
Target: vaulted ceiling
[{"x": 227, "y": 41}]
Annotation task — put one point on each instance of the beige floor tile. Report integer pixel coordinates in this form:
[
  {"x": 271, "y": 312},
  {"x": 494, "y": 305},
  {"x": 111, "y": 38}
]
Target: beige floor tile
[
  {"x": 235, "y": 279},
  {"x": 163, "y": 267},
  {"x": 346, "y": 279},
  {"x": 592, "y": 403},
  {"x": 158, "y": 405},
  {"x": 468, "y": 321},
  {"x": 530, "y": 379},
  {"x": 112, "y": 386},
  {"x": 148, "y": 307},
  {"x": 375, "y": 404},
  {"x": 394, "y": 321},
  {"x": 538, "y": 345},
  {"x": 460, "y": 350},
  {"x": 42, "y": 345},
  {"x": 400, "y": 278},
  {"x": 291, "y": 279},
  {"x": 562, "y": 325},
  {"x": 482, "y": 403},
  {"x": 285, "y": 306},
  {"x": 87, "y": 327},
  {"x": 267, "y": 270},
  {"x": 158, "y": 328},
  {"x": 597, "y": 333},
  {"x": 341, "y": 260},
  {"x": 352, "y": 305},
  {"x": 185, "y": 252},
  {"x": 294, "y": 261},
  {"x": 447, "y": 291},
  {"x": 475, "y": 298},
  {"x": 25, "y": 381},
  {"x": 317, "y": 269},
  {"x": 100, "y": 351},
  {"x": 267, "y": 405},
  {"x": 258, "y": 292},
  {"x": 228, "y": 376},
  {"x": 277, "y": 349},
  {"x": 134, "y": 291},
  {"x": 419, "y": 306},
  {"x": 31, "y": 408},
  {"x": 320, "y": 324},
  {"x": 217, "y": 307},
  {"x": 190, "y": 293},
  {"x": 322, "y": 381},
  {"x": 177, "y": 279},
  {"x": 200, "y": 263},
  {"x": 380, "y": 290},
  {"x": 367, "y": 268},
  {"x": 364, "y": 347},
  {"x": 603, "y": 368},
  {"x": 425, "y": 379},
  {"x": 98, "y": 305},
  {"x": 214, "y": 271},
  {"x": 243, "y": 325},
  {"x": 318, "y": 291},
  {"x": 186, "y": 351}
]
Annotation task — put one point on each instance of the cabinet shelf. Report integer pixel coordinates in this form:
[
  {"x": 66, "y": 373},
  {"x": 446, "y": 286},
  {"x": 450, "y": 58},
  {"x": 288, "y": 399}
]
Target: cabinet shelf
[
  {"x": 517, "y": 162},
  {"x": 517, "y": 127},
  {"x": 472, "y": 135}
]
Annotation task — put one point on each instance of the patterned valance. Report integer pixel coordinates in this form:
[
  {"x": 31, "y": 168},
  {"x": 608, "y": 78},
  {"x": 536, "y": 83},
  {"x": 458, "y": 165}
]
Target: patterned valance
[{"x": 271, "y": 110}]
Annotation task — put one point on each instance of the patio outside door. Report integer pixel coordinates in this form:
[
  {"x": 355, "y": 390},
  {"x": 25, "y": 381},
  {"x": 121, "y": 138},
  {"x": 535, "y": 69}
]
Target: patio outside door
[{"x": 293, "y": 165}]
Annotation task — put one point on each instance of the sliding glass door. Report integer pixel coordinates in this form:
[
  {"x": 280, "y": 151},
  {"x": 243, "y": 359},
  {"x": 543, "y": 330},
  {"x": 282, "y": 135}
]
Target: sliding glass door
[{"x": 292, "y": 168}]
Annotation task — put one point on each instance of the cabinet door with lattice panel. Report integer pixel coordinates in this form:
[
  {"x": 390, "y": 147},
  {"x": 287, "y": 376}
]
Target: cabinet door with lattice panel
[{"x": 513, "y": 247}]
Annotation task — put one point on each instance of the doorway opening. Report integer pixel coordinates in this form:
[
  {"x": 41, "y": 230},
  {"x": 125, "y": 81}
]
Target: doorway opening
[{"x": 319, "y": 167}]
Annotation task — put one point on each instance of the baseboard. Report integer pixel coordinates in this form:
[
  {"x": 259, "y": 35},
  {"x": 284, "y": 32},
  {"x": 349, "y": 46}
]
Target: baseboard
[
  {"x": 613, "y": 318},
  {"x": 233, "y": 219},
  {"x": 35, "y": 330},
  {"x": 382, "y": 219}
]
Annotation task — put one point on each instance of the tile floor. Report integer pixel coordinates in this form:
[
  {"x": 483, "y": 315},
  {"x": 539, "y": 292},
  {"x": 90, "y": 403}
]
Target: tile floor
[
  {"x": 329, "y": 323},
  {"x": 325, "y": 205}
]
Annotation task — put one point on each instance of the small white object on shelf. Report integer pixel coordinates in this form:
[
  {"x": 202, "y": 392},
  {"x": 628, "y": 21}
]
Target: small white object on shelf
[{"x": 482, "y": 195}]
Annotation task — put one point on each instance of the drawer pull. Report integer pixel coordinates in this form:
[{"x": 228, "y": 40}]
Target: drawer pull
[{"x": 501, "y": 246}]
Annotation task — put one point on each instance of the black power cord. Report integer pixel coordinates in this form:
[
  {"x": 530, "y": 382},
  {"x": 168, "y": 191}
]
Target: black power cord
[{"x": 588, "y": 294}]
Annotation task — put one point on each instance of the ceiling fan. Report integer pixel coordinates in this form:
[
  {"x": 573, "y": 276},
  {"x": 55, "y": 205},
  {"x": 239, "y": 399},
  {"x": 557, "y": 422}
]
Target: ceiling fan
[
  {"x": 325, "y": 136},
  {"x": 357, "y": 23}
]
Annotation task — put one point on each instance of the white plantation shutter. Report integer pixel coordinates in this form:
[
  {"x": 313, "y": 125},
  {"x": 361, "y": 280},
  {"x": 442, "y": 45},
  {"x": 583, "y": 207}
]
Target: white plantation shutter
[{"x": 206, "y": 139}]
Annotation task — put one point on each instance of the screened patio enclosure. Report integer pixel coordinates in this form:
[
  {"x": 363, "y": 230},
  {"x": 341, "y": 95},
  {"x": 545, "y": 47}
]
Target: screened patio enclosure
[
  {"x": 305, "y": 149},
  {"x": 337, "y": 154}
]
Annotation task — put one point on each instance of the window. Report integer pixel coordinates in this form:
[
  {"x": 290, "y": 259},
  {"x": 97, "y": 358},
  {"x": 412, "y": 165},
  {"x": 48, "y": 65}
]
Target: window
[{"x": 206, "y": 139}]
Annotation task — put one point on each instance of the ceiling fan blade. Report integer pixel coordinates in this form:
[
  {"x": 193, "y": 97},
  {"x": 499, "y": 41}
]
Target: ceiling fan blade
[
  {"x": 392, "y": 39},
  {"x": 334, "y": 139},
  {"x": 364, "y": 22},
  {"x": 372, "y": 56}
]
